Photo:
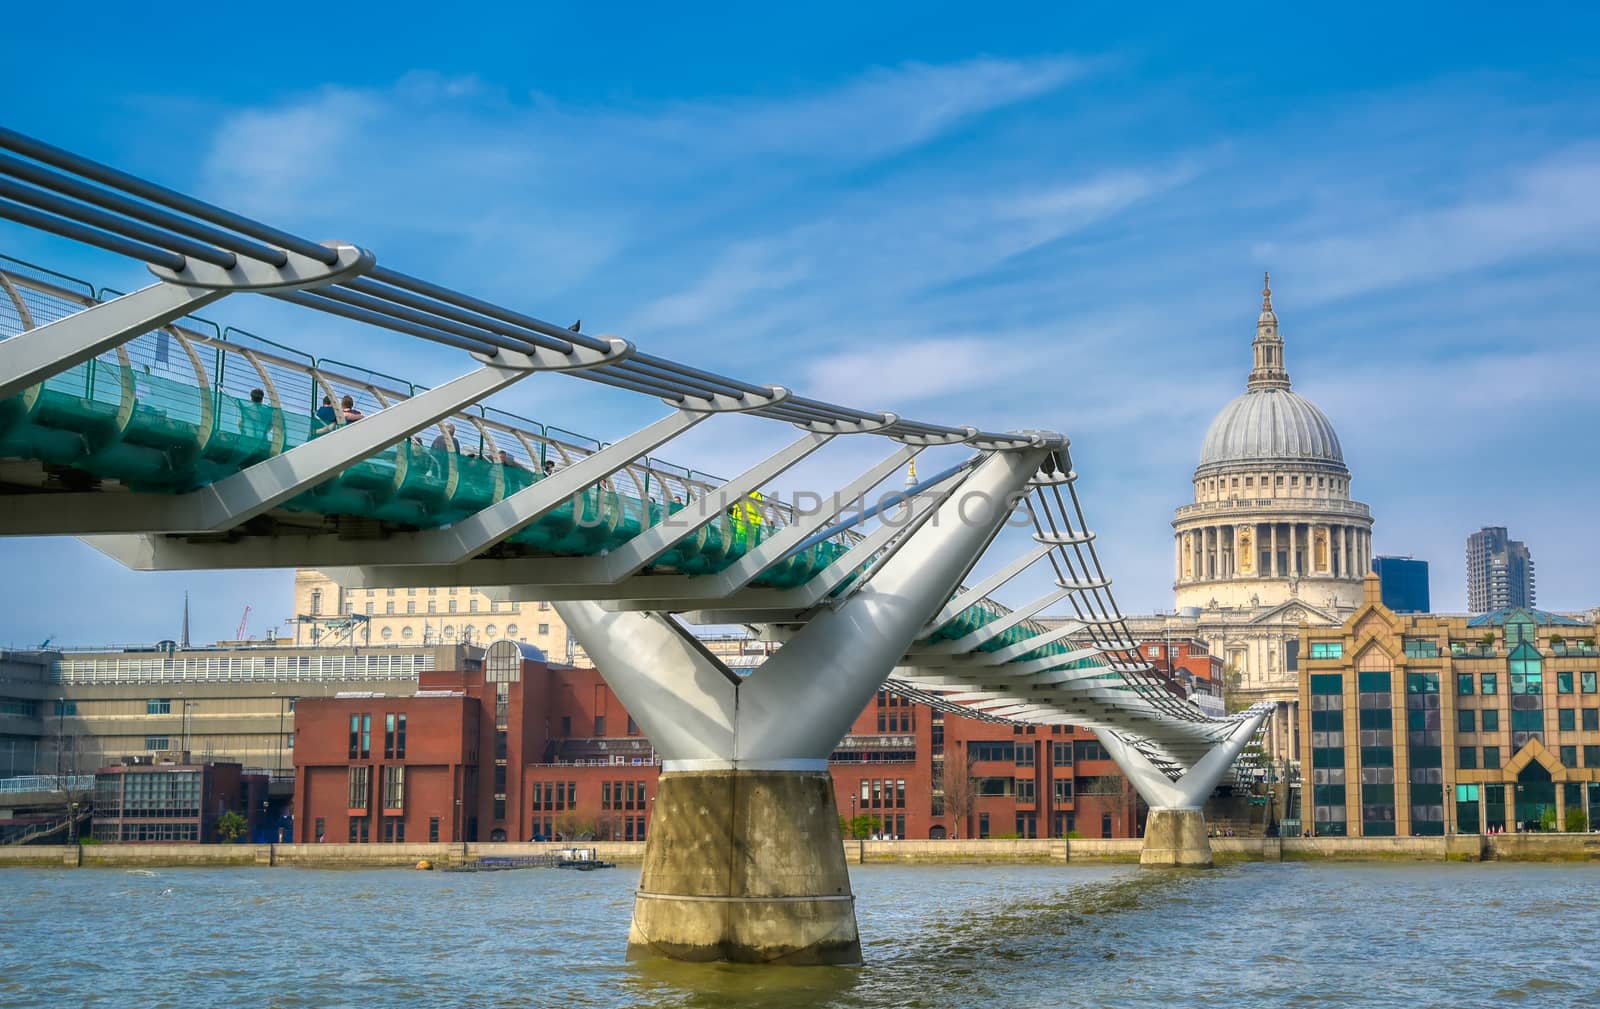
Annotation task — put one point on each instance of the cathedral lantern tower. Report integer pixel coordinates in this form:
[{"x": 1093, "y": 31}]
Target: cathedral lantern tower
[{"x": 1272, "y": 517}]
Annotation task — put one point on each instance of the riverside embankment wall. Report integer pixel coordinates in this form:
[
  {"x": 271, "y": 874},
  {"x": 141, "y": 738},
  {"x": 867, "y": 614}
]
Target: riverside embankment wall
[{"x": 1460, "y": 847}]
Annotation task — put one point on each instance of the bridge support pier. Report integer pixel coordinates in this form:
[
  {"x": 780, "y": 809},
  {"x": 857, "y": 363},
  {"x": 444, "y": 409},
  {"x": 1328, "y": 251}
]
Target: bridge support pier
[
  {"x": 1176, "y": 837},
  {"x": 1175, "y": 832},
  {"x": 744, "y": 859},
  {"x": 745, "y": 866}
]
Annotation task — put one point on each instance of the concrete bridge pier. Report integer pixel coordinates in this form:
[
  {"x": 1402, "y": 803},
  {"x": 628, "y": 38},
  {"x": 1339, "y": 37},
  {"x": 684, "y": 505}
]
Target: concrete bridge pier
[
  {"x": 743, "y": 861},
  {"x": 1175, "y": 836},
  {"x": 745, "y": 866},
  {"x": 1175, "y": 832}
]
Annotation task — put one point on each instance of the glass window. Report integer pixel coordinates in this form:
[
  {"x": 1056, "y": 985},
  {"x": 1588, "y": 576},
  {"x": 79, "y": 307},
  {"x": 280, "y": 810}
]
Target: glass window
[
  {"x": 1591, "y": 719},
  {"x": 1569, "y": 756},
  {"x": 1586, "y": 682},
  {"x": 1375, "y": 682},
  {"x": 1466, "y": 720},
  {"x": 1491, "y": 757},
  {"x": 1564, "y": 682},
  {"x": 1464, "y": 684},
  {"x": 1491, "y": 719},
  {"x": 1327, "y": 683},
  {"x": 1567, "y": 721},
  {"x": 1490, "y": 683},
  {"x": 158, "y": 706},
  {"x": 1467, "y": 758},
  {"x": 1327, "y": 649},
  {"x": 1591, "y": 756},
  {"x": 360, "y": 786}
]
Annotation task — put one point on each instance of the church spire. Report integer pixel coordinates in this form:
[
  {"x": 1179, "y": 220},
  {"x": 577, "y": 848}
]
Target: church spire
[{"x": 1269, "y": 371}]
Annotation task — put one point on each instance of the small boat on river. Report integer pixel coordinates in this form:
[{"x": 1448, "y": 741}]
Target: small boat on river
[{"x": 581, "y": 859}]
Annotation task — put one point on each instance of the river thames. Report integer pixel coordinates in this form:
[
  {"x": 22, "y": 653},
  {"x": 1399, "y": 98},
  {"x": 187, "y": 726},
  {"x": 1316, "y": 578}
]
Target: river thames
[{"x": 1250, "y": 936}]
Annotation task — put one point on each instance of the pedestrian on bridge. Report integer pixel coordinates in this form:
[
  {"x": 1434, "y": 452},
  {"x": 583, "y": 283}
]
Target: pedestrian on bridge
[{"x": 326, "y": 414}]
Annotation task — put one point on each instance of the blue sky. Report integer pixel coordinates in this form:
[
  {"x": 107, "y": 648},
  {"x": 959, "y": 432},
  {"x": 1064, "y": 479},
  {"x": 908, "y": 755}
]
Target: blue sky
[{"x": 1054, "y": 217}]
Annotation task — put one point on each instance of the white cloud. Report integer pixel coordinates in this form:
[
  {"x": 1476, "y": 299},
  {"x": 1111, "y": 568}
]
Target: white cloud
[{"x": 1550, "y": 205}]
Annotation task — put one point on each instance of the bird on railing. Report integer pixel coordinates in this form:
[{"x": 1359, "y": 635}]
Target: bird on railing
[{"x": 576, "y": 326}]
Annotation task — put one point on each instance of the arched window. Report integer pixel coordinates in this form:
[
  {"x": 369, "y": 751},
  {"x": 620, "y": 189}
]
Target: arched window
[{"x": 502, "y": 663}]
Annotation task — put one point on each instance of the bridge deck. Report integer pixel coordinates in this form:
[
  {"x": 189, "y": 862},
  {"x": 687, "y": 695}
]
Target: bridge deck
[{"x": 172, "y": 410}]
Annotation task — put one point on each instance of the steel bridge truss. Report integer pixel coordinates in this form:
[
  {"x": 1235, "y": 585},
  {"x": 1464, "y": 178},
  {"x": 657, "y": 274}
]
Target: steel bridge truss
[{"x": 170, "y": 443}]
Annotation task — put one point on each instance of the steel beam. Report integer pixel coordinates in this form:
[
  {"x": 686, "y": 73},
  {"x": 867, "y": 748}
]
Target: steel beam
[
  {"x": 34, "y": 355},
  {"x": 968, "y": 598}
]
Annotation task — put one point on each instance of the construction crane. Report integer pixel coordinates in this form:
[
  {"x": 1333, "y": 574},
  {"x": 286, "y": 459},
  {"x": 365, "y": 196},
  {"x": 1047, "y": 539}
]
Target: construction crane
[{"x": 239, "y": 636}]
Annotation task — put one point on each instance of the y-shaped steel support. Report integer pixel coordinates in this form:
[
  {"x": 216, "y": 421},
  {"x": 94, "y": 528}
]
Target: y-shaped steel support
[
  {"x": 743, "y": 861},
  {"x": 1175, "y": 833}
]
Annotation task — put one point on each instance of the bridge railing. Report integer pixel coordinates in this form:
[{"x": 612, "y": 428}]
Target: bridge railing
[
  {"x": 45, "y": 783},
  {"x": 204, "y": 375}
]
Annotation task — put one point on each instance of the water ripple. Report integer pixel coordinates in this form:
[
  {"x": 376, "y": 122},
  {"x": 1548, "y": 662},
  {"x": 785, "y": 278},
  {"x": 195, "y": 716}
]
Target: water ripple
[{"x": 1248, "y": 936}]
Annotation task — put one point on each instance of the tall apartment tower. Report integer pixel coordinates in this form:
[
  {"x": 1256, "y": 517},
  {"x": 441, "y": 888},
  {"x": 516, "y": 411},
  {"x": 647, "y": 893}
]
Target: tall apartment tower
[{"x": 1499, "y": 571}]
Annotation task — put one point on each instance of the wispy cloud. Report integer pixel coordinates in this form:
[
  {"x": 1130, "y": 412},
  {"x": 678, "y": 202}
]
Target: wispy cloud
[
  {"x": 1548, "y": 205},
  {"x": 1032, "y": 242}
]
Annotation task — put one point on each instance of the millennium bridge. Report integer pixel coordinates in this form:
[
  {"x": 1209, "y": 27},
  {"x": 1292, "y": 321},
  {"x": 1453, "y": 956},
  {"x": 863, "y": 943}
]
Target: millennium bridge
[{"x": 169, "y": 442}]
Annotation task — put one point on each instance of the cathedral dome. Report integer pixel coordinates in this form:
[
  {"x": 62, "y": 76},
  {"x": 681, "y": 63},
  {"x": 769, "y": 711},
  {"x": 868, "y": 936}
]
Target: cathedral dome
[{"x": 1270, "y": 424}]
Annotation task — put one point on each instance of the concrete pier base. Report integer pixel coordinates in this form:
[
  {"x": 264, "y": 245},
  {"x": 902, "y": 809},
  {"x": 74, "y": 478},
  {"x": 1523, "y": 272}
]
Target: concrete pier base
[
  {"x": 1175, "y": 837},
  {"x": 745, "y": 866}
]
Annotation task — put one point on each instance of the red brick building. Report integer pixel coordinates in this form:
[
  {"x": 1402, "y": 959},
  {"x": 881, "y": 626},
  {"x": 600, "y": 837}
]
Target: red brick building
[
  {"x": 511, "y": 749},
  {"x": 174, "y": 800}
]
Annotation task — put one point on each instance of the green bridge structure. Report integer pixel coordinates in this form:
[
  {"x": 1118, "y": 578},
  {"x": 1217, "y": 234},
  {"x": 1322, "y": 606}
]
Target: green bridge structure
[{"x": 169, "y": 442}]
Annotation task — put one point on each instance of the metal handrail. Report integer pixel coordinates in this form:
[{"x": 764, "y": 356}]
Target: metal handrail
[{"x": 45, "y": 783}]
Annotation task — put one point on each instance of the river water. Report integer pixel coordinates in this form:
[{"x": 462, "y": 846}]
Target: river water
[{"x": 983, "y": 936}]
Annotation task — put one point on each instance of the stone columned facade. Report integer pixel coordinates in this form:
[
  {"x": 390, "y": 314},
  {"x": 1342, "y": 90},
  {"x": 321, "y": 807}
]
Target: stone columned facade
[
  {"x": 1272, "y": 518},
  {"x": 1271, "y": 541}
]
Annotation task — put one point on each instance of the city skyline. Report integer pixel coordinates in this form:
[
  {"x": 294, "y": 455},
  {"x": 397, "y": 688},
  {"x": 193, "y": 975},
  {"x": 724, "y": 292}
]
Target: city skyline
[{"x": 1103, "y": 205}]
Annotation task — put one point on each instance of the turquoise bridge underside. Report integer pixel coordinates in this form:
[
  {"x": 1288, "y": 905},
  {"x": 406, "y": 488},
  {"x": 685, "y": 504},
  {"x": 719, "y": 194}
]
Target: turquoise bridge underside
[{"x": 171, "y": 411}]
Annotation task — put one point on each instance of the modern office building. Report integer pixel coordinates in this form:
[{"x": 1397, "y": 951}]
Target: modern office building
[
  {"x": 1403, "y": 582},
  {"x": 91, "y": 708},
  {"x": 175, "y": 800},
  {"x": 1499, "y": 571},
  {"x": 25, "y": 686},
  {"x": 515, "y": 748},
  {"x": 236, "y": 702},
  {"x": 1425, "y": 724}
]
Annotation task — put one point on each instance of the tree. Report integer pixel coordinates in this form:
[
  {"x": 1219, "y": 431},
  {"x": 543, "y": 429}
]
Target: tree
[
  {"x": 960, "y": 789},
  {"x": 569, "y": 827},
  {"x": 860, "y": 828},
  {"x": 231, "y": 827},
  {"x": 1577, "y": 820},
  {"x": 73, "y": 779}
]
